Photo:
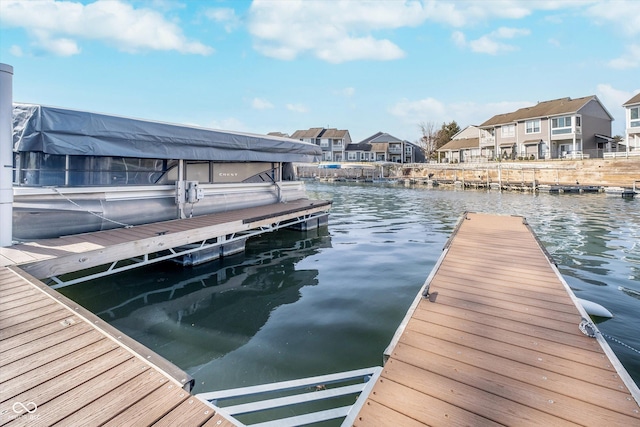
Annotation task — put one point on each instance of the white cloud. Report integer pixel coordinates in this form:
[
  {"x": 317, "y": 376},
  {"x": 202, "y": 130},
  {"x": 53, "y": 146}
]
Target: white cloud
[
  {"x": 347, "y": 92},
  {"x": 16, "y": 51},
  {"x": 464, "y": 113},
  {"x": 622, "y": 15},
  {"x": 336, "y": 31},
  {"x": 57, "y": 26},
  {"x": 297, "y": 108},
  {"x": 226, "y": 16},
  {"x": 261, "y": 104},
  {"x": 554, "y": 42},
  {"x": 612, "y": 97},
  {"x": 345, "y": 30},
  {"x": 420, "y": 110},
  {"x": 491, "y": 43},
  {"x": 460, "y": 14},
  {"x": 459, "y": 39},
  {"x": 230, "y": 123},
  {"x": 630, "y": 59}
]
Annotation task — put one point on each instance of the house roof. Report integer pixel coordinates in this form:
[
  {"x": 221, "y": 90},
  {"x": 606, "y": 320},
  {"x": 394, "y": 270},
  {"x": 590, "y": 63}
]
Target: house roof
[
  {"x": 334, "y": 133},
  {"x": 358, "y": 147},
  {"x": 542, "y": 109},
  {"x": 385, "y": 137},
  {"x": 632, "y": 101},
  {"x": 369, "y": 139},
  {"x": 320, "y": 133},
  {"x": 379, "y": 139},
  {"x": 310, "y": 133},
  {"x": 460, "y": 144}
]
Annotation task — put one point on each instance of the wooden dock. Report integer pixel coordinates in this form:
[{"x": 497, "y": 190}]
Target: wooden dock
[
  {"x": 495, "y": 340},
  {"x": 60, "y": 364},
  {"x": 70, "y": 254}
]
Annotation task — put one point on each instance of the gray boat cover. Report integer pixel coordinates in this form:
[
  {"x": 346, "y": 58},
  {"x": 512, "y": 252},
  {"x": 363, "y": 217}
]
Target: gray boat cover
[{"x": 55, "y": 130}]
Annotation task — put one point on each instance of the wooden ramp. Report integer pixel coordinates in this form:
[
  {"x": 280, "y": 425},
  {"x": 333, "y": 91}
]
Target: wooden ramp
[
  {"x": 496, "y": 341},
  {"x": 60, "y": 364},
  {"x": 54, "y": 257}
]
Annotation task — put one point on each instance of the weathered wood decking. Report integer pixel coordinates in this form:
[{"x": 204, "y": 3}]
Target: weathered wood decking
[
  {"x": 497, "y": 343},
  {"x": 52, "y": 257},
  {"x": 59, "y": 364}
]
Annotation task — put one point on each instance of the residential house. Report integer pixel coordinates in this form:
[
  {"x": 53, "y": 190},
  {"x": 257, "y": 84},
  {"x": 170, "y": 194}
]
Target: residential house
[
  {"x": 333, "y": 142},
  {"x": 382, "y": 147},
  {"x": 464, "y": 146},
  {"x": 560, "y": 128},
  {"x": 632, "y": 114}
]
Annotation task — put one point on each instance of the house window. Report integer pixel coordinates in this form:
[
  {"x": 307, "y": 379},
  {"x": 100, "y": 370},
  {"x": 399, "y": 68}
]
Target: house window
[
  {"x": 352, "y": 155},
  {"x": 508, "y": 131},
  {"x": 635, "y": 117},
  {"x": 561, "y": 125},
  {"x": 337, "y": 143},
  {"x": 324, "y": 143},
  {"x": 532, "y": 126}
]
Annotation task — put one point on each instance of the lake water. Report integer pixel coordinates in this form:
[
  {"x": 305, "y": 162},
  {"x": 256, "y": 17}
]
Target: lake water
[{"x": 301, "y": 304}]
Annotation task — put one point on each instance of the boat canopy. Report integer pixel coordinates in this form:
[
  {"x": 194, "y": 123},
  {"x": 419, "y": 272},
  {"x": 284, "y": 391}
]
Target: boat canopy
[{"x": 61, "y": 131}]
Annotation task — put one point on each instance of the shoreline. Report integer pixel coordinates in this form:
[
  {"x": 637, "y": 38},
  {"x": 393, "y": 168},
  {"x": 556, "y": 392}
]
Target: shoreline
[{"x": 612, "y": 173}]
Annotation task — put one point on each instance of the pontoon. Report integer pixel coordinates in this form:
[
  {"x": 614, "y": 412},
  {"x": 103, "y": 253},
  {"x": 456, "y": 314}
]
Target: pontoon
[{"x": 76, "y": 171}]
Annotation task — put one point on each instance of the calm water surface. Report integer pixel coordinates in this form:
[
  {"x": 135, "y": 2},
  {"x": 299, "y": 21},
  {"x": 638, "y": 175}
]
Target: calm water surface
[{"x": 301, "y": 304}]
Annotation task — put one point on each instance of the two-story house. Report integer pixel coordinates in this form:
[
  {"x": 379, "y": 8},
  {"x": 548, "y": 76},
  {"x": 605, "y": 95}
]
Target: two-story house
[
  {"x": 632, "y": 115},
  {"x": 464, "y": 146},
  {"x": 333, "y": 142},
  {"x": 382, "y": 147},
  {"x": 559, "y": 128}
]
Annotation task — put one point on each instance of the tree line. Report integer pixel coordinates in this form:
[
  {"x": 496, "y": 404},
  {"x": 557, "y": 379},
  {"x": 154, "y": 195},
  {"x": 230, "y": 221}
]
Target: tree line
[{"x": 434, "y": 138}]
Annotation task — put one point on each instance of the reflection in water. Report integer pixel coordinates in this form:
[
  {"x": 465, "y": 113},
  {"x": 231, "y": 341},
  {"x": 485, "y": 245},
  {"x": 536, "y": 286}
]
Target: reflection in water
[
  {"x": 194, "y": 315},
  {"x": 296, "y": 305}
]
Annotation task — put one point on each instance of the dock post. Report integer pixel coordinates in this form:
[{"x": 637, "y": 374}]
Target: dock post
[{"x": 6, "y": 154}]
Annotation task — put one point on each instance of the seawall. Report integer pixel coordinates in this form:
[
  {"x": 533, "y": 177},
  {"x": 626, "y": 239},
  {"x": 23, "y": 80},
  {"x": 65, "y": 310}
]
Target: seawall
[{"x": 597, "y": 172}]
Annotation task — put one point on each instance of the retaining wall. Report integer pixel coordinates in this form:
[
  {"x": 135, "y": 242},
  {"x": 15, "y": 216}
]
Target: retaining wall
[{"x": 599, "y": 172}]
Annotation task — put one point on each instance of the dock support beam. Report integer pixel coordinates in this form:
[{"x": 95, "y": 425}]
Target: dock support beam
[{"x": 6, "y": 155}]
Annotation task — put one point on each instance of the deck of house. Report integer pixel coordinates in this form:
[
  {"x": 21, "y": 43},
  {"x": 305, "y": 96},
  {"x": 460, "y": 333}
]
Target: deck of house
[
  {"x": 494, "y": 339},
  {"x": 60, "y": 364}
]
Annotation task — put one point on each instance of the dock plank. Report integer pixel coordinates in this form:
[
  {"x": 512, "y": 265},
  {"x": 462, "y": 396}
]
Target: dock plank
[
  {"x": 51, "y": 257},
  {"x": 189, "y": 413},
  {"x": 40, "y": 336},
  {"x": 555, "y": 403},
  {"x": 150, "y": 408},
  {"x": 117, "y": 401},
  {"x": 55, "y": 368},
  {"x": 495, "y": 339},
  {"x": 71, "y": 368},
  {"x": 58, "y": 315},
  {"x": 55, "y": 409}
]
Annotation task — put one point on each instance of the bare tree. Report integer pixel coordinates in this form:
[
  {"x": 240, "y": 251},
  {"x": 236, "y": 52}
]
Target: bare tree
[{"x": 428, "y": 139}]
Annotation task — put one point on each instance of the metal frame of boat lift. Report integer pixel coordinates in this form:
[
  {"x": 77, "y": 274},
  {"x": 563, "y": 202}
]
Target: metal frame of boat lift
[
  {"x": 301, "y": 391},
  {"x": 56, "y": 282}
]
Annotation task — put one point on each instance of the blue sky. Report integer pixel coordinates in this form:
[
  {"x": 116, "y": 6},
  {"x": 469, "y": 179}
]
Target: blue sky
[{"x": 283, "y": 65}]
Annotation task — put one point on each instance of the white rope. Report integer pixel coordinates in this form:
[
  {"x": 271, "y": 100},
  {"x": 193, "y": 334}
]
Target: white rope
[
  {"x": 92, "y": 213},
  {"x": 620, "y": 342}
]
